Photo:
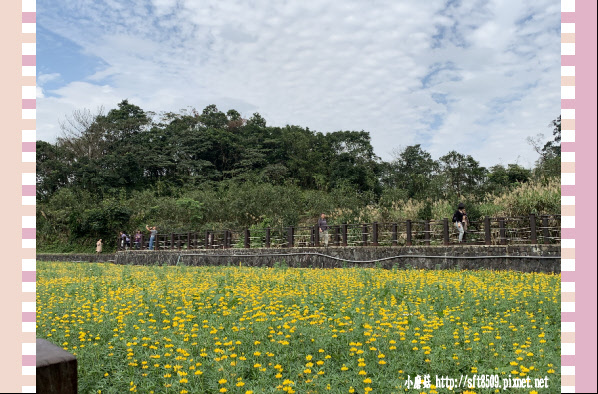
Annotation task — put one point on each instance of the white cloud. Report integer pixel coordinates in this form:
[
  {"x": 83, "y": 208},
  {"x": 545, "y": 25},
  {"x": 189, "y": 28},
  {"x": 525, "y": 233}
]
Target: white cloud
[
  {"x": 348, "y": 65},
  {"x": 42, "y": 79}
]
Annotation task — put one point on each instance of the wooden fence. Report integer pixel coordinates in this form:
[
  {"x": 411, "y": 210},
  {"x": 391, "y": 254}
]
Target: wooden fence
[{"x": 532, "y": 229}]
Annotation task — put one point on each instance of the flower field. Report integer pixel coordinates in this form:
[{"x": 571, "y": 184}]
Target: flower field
[{"x": 265, "y": 330}]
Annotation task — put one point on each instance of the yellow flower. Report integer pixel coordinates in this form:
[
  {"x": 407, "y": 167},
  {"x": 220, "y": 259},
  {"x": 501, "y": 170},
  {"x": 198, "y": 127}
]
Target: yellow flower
[
  {"x": 240, "y": 384},
  {"x": 222, "y": 381},
  {"x": 367, "y": 380}
]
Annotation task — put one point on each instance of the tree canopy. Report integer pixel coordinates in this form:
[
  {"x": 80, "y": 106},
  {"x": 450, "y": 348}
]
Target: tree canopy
[{"x": 87, "y": 179}]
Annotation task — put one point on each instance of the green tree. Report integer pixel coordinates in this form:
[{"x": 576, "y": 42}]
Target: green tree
[
  {"x": 350, "y": 157},
  {"x": 52, "y": 169},
  {"x": 462, "y": 174},
  {"x": 501, "y": 178},
  {"x": 412, "y": 170},
  {"x": 549, "y": 163},
  {"x": 211, "y": 117}
]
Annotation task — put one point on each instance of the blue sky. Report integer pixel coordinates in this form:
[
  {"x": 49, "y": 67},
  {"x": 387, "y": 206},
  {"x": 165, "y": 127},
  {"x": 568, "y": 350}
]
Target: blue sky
[{"x": 474, "y": 76}]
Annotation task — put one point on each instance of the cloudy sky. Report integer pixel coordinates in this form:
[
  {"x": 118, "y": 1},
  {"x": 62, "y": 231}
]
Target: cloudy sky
[{"x": 474, "y": 76}]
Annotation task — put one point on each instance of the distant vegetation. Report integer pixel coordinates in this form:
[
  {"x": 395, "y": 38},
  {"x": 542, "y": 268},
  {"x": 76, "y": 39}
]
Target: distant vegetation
[{"x": 192, "y": 171}]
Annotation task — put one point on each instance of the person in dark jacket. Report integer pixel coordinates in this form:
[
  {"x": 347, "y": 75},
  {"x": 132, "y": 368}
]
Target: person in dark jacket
[{"x": 458, "y": 219}]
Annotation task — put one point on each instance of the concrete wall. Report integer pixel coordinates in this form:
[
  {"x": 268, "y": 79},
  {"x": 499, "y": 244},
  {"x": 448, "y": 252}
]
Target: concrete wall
[
  {"x": 539, "y": 258},
  {"x": 77, "y": 257}
]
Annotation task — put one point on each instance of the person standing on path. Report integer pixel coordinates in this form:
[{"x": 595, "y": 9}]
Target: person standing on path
[
  {"x": 121, "y": 240},
  {"x": 138, "y": 239},
  {"x": 153, "y": 232},
  {"x": 99, "y": 247},
  {"x": 465, "y": 225},
  {"x": 323, "y": 229},
  {"x": 458, "y": 220}
]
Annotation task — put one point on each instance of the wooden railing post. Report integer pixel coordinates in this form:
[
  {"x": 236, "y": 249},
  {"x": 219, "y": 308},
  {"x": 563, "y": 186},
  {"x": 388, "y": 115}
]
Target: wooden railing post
[
  {"x": 532, "y": 224},
  {"x": 316, "y": 235},
  {"x": 291, "y": 237},
  {"x": 545, "y": 231},
  {"x": 345, "y": 234},
  {"x": 427, "y": 232},
  {"x": 56, "y": 369},
  {"x": 247, "y": 243},
  {"x": 503, "y": 231},
  {"x": 340, "y": 236}
]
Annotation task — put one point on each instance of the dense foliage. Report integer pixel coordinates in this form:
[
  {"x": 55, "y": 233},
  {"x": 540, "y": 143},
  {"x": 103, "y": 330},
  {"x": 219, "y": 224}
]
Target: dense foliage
[{"x": 190, "y": 170}]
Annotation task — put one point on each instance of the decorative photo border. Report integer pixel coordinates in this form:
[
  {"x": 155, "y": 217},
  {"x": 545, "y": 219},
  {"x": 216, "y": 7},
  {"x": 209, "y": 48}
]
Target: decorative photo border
[
  {"x": 28, "y": 178},
  {"x": 578, "y": 291},
  {"x": 567, "y": 195}
]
